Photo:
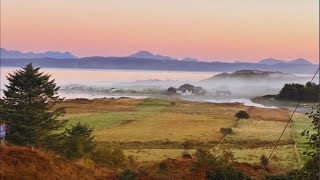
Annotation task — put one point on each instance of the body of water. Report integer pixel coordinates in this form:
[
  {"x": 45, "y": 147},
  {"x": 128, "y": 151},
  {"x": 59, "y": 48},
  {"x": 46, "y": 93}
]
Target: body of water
[{"x": 108, "y": 78}]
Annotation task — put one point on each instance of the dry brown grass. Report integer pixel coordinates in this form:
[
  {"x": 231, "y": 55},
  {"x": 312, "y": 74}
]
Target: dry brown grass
[
  {"x": 174, "y": 126},
  {"x": 259, "y": 132},
  {"x": 263, "y": 114},
  {"x": 79, "y": 106},
  {"x": 156, "y": 119},
  {"x": 143, "y": 155},
  {"x": 24, "y": 163}
]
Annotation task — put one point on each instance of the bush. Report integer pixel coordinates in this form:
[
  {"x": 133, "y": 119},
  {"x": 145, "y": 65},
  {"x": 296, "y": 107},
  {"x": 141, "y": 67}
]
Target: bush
[
  {"x": 205, "y": 159},
  {"x": 128, "y": 175},
  {"x": 77, "y": 141},
  {"x": 163, "y": 166},
  {"x": 108, "y": 156},
  {"x": 186, "y": 154},
  {"x": 242, "y": 115},
  {"x": 264, "y": 161},
  {"x": 88, "y": 163},
  {"x": 227, "y": 156},
  {"x": 132, "y": 161},
  {"x": 224, "y": 173},
  {"x": 215, "y": 168},
  {"x": 188, "y": 144},
  {"x": 172, "y": 103},
  {"x": 226, "y": 131}
]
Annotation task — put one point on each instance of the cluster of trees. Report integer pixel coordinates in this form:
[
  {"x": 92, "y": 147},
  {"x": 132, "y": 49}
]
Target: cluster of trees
[
  {"x": 28, "y": 108},
  {"x": 296, "y": 92}
]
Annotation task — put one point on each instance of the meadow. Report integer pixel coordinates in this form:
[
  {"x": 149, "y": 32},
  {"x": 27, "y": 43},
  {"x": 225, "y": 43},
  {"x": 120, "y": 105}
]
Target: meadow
[
  {"x": 156, "y": 129},
  {"x": 300, "y": 123}
]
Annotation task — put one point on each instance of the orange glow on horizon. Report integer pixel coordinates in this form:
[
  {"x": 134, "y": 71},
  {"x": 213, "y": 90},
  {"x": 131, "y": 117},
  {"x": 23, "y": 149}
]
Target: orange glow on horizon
[{"x": 210, "y": 30}]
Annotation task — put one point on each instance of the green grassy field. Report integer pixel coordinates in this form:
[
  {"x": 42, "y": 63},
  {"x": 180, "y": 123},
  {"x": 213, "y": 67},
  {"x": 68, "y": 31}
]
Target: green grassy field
[
  {"x": 300, "y": 123},
  {"x": 153, "y": 129},
  {"x": 103, "y": 120},
  {"x": 259, "y": 132}
]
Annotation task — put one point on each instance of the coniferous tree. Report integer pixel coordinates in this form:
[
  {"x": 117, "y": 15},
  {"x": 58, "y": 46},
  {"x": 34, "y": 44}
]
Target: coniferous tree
[
  {"x": 78, "y": 141},
  {"x": 28, "y": 108}
]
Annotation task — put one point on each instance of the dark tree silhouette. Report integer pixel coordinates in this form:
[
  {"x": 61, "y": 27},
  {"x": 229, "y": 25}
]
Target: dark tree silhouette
[
  {"x": 295, "y": 92},
  {"x": 28, "y": 108},
  {"x": 242, "y": 115}
]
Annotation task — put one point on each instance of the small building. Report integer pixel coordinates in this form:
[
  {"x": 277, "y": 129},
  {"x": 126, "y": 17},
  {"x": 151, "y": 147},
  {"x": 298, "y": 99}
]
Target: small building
[{"x": 223, "y": 93}]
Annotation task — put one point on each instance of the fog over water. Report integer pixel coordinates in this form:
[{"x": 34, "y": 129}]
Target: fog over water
[{"x": 92, "y": 83}]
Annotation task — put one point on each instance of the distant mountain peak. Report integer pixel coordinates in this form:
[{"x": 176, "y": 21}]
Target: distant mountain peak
[
  {"x": 143, "y": 53},
  {"x": 148, "y": 55},
  {"x": 271, "y": 61},
  {"x": 300, "y": 61},
  {"x": 13, "y": 54},
  {"x": 190, "y": 59}
]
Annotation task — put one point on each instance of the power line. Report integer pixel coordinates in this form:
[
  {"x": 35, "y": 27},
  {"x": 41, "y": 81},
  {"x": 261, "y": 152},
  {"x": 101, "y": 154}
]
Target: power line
[{"x": 289, "y": 120}]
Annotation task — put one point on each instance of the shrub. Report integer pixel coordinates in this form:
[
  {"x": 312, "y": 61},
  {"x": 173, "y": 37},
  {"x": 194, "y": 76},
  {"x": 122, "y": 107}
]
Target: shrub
[
  {"x": 78, "y": 141},
  {"x": 88, "y": 163},
  {"x": 226, "y": 131},
  {"x": 264, "y": 161},
  {"x": 215, "y": 168},
  {"x": 225, "y": 172},
  {"x": 242, "y": 115},
  {"x": 227, "y": 156},
  {"x": 186, "y": 154},
  {"x": 163, "y": 166},
  {"x": 132, "y": 161},
  {"x": 128, "y": 175},
  {"x": 172, "y": 103},
  {"x": 205, "y": 159},
  {"x": 188, "y": 144},
  {"x": 108, "y": 156}
]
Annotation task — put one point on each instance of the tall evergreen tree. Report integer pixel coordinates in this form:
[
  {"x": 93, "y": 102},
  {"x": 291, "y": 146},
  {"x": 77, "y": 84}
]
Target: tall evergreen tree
[{"x": 29, "y": 108}]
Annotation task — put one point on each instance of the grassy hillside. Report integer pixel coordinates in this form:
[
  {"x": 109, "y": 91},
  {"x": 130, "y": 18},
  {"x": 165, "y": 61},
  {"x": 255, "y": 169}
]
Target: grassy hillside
[{"x": 25, "y": 163}]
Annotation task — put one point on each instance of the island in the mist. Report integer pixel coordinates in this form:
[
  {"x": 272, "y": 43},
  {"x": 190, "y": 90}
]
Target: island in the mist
[{"x": 239, "y": 84}]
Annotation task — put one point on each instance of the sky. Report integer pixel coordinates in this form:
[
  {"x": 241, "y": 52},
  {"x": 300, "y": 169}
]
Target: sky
[{"x": 209, "y": 30}]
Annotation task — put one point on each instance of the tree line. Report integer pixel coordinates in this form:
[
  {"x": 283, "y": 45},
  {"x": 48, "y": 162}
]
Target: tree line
[{"x": 298, "y": 92}]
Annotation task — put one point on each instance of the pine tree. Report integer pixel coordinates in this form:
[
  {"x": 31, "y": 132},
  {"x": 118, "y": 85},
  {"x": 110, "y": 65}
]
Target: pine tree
[
  {"x": 29, "y": 108},
  {"x": 78, "y": 141}
]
